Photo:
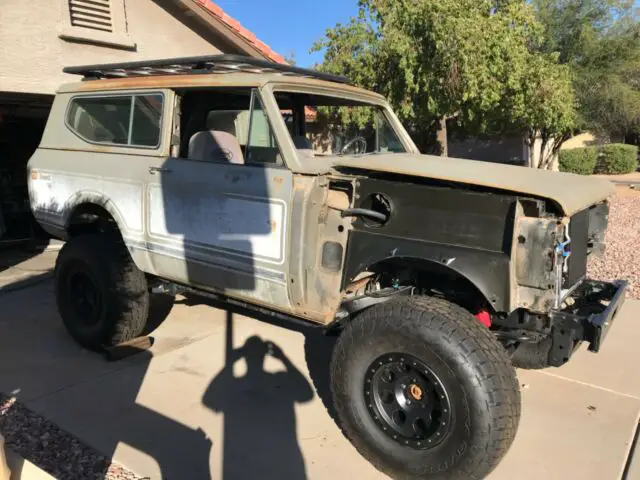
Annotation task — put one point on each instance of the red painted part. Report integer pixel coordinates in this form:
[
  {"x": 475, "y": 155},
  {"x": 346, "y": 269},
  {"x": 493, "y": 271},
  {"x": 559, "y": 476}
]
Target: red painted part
[{"x": 484, "y": 318}]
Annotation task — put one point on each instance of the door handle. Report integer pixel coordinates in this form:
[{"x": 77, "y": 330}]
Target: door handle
[{"x": 154, "y": 170}]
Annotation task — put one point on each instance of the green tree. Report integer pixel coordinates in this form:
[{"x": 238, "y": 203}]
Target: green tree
[
  {"x": 600, "y": 41},
  {"x": 476, "y": 63},
  {"x": 546, "y": 111}
]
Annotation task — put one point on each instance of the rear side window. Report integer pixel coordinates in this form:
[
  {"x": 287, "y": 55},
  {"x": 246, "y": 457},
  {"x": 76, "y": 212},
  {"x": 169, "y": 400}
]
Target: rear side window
[
  {"x": 147, "y": 113},
  {"x": 128, "y": 120}
]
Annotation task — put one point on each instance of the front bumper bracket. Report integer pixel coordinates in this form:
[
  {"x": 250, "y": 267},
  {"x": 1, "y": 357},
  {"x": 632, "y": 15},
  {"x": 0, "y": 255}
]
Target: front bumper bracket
[{"x": 586, "y": 316}]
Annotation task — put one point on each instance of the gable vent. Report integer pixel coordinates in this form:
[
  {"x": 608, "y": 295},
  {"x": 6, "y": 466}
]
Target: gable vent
[{"x": 93, "y": 14}]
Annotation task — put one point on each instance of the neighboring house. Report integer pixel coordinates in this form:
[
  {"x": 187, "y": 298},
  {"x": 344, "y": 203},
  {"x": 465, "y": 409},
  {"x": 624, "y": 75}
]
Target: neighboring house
[
  {"x": 589, "y": 139},
  {"x": 511, "y": 149},
  {"x": 39, "y": 37}
]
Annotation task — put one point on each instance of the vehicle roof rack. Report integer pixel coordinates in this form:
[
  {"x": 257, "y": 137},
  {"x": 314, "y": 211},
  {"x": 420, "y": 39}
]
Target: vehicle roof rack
[{"x": 218, "y": 64}]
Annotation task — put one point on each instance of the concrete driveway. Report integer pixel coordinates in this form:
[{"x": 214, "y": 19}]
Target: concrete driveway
[{"x": 199, "y": 405}]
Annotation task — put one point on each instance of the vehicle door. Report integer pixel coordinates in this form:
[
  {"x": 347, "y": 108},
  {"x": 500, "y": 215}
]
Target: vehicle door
[{"x": 218, "y": 217}]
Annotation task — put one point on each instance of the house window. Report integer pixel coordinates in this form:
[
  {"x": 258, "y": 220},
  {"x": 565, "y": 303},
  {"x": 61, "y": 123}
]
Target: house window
[
  {"x": 102, "y": 22},
  {"x": 124, "y": 120}
]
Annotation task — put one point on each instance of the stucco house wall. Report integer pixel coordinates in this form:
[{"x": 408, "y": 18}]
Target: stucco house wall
[
  {"x": 38, "y": 38},
  {"x": 35, "y": 41},
  {"x": 590, "y": 139}
]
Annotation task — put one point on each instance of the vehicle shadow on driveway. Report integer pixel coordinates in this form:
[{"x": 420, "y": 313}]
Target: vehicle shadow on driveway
[
  {"x": 103, "y": 403},
  {"x": 79, "y": 407},
  {"x": 318, "y": 347}
]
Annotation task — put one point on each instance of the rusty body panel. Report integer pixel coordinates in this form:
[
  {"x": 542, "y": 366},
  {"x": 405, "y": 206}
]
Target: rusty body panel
[
  {"x": 331, "y": 244},
  {"x": 316, "y": 227},
  {"x": 337, "y": 200},
  {"x": 535, "y": 242},
  {"x": 308, "y": 193},
  {"x": 169, "y": 81},
  {"x": 210, "y": 80}
]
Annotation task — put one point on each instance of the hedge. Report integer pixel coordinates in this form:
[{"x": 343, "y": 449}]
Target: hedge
[
  {"x": 617, "y": 159},
  {"x": 612, "y": 159},
  {"x": 578, "y": 160}
]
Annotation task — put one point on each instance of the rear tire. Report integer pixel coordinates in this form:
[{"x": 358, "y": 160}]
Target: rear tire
[
  {"x": 456, "y": 370},
  {"x": 102, "y": 296}
]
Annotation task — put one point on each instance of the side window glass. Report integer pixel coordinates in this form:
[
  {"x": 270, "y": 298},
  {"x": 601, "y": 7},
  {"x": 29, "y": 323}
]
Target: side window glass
[
  {"x": 147, "y": 114},
  {"x": 387, "y": 139},
  {"x": 262, "y": 146},
  {"x": 101, "y": 120},
  {"x": 132, "y": 120}
]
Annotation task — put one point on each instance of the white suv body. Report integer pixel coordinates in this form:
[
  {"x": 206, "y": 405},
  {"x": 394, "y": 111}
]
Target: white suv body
[{"x": 294, "y": 193}]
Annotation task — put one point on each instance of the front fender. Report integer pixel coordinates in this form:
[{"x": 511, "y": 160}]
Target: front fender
[{"x": 487, "y": 271}]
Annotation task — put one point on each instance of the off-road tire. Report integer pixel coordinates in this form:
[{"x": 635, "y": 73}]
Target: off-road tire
[
  {"x": 532, "y": 356},
  {"x": 475, "y": 370},
  {"x": 122, "y": 289}
]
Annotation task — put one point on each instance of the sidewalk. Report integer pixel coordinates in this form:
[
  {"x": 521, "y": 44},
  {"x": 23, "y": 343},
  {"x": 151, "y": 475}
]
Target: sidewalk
[{"x": 627, "y": 179}]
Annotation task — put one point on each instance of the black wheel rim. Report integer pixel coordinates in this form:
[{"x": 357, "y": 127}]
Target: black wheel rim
[
  {"x": 84, "y": 297},
  {"x": 408, "y": 401}
]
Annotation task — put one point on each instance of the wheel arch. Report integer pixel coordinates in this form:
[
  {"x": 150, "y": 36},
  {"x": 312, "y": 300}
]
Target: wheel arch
[
  {"x": 91, "y": 212},
  {"x": 429, "y": 273},
  {"x": 83, "y": 206},
  {"x": 481, "y": 273}
]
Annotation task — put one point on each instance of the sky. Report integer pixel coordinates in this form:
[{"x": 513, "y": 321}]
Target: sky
[{"x": 290, "y": 26}]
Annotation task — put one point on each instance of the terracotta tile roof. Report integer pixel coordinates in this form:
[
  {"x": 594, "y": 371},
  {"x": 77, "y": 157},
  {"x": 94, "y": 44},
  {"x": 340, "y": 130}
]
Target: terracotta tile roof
[
  {"x": 241, "y": 31},
  {"x": 309, "y": 112}
]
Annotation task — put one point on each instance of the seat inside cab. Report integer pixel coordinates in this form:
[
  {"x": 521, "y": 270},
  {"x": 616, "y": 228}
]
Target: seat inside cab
[{"x": 218, "y": 126}]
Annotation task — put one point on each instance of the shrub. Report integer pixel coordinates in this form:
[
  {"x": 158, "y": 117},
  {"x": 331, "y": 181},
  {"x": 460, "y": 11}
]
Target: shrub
[
  {"x": 617, "y": 159},
  {"x": 578, "y": 160}
]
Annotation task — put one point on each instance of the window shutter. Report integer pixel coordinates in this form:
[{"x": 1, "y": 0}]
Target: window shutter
[{"x": 93, "y": 14}]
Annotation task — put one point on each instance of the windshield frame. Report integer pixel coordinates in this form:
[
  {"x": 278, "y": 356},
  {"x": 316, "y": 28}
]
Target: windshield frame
[{"x": 322, "y": 164}]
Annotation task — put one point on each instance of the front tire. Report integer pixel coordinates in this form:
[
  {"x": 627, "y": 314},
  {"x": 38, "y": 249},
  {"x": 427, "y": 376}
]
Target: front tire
[
  {"x": 102, "y": 296},
  {"x": 424, "y": 391}
]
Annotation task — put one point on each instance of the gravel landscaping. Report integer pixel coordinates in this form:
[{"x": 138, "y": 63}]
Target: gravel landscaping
[
  {"x": 622, "y": 256},
  {"x": 52, "y": 449}
]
